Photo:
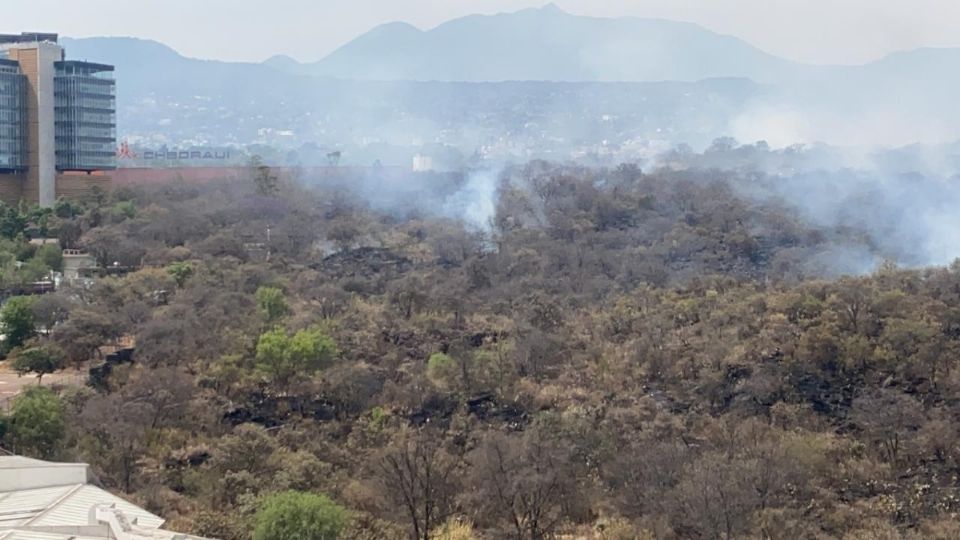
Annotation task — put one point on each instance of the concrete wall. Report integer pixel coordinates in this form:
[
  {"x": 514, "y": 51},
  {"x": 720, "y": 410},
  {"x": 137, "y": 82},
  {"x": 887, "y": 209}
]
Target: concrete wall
[
  {"x": 200, "y": 175},
  {"x": 48, "y": 53},
  {"x": 79, "y": 184},
  {"x": 74, "y": 262},
  {"x": 36, "y": 63},
  {"x": 11, "y": 187},
  {"x": 42, "y": 476},
  {"x": 69, "y": 185}
]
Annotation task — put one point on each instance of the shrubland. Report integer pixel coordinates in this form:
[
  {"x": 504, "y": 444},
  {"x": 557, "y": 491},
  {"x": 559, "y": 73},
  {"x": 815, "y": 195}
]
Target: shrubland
[{"x": 616, "y": 355}]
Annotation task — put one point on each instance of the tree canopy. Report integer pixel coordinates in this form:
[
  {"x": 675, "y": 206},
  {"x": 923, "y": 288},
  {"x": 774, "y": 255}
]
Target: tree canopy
[
  {"x": 296, "y": 515},
  {"x": 273, "y": 305},
  {"x": 36, "y": 424},
  {"x": 281, "y": 356},
  {"x": 41, "y": 360},
  {"x": 617, "y": 353},
  {"x": 17, "y": 322}
]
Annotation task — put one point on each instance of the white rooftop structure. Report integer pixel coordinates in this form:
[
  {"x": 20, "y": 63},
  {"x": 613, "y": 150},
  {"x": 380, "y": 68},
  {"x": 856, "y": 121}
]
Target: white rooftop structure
[{"x": 40, "y": 500}]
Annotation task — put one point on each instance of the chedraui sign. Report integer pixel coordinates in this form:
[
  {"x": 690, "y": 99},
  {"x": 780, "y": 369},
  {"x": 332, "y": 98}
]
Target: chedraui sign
[
  {"x": 128, "y": 156},
  {"x": 218, "y": 155}
]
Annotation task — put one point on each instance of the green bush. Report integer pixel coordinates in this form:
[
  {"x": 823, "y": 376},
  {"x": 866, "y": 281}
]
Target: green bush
[
  {"x": 51, "y": 256},
  {"x": 124, "y": 210},
  {"x": 281, "y": 356},
  {"x": 39, "y": 360},
  {"x": 36, "y": 423},
  {"x": 442, "y": 370},
  {"x": 180, "y": 271},
  {"x": 16, "y": 322},
  {"x": 273, "y": 305},
  {"x": 294, "y": 515}
]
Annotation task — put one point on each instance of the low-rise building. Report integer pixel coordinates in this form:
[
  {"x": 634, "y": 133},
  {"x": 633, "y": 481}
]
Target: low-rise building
[
  {"x": 41, "y": 500},
  {"x": 75, "y": 263}
]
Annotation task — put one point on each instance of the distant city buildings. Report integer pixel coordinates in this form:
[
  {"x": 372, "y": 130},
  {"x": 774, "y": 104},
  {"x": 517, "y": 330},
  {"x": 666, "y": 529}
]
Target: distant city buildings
[
  {"x": 422, "y": 163},
  {"x": 57, "y": 121}
]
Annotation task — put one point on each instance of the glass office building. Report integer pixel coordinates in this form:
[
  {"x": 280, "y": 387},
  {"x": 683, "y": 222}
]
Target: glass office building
[
  {"x": 57, "y": 121},
  {"x": 13, "y": 143},
  {"x": 84, "y": 116}
]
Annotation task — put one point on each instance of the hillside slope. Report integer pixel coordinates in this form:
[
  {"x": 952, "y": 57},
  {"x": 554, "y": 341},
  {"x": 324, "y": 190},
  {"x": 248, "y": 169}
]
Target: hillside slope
[{"x": 549, "y": 44}]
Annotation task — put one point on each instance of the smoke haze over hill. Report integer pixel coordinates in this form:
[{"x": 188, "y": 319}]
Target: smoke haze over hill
[
  {"x": 597, "y": 91},
  {"x": 490, "y": 270},
  {"x": 902, "y": 99}
]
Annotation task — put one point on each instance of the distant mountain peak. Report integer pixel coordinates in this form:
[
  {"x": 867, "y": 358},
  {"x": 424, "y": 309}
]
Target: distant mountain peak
[
  {"x": 549, "y": 44},
  {"x": 397, "y": 27},
  {"x": 282, "y": 62},
  {"x": 546, "y": 10},
  {"x": 552, "y": 8}
]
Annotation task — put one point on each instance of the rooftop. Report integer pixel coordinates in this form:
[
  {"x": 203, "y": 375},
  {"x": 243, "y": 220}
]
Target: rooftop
[
  {"x": 28, "y": 37},
  {"x": 82, "y": 67},
  {"x": 20, "y": 462},
  {"x": 42, "y": 500},
  {"x": 64, "y": 506}
]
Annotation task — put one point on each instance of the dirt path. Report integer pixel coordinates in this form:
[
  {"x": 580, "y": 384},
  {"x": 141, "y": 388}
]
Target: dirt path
[{"x": 11, "y": 384}]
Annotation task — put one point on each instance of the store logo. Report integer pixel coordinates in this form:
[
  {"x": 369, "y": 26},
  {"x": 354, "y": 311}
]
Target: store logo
[{"x": 124, "y": 152}]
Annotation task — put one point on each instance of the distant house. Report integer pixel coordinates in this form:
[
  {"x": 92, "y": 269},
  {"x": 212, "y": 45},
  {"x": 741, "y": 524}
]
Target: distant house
[
  {"x": 422, "y": 163},
  {"x": 40, "y": 500},
  {"x": 75, "y": 262}
]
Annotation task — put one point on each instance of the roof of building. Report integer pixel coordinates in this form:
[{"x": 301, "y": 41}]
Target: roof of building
[
  {"x": 42, "y": 500},
  {"x": 63, "y": 506},
  {"x": 34, "y": 535},
  {"x": 19, "y": 534},
  {"x": 20, "y": 462},
  {"x": 89, "y": 67},
  {"x": 29, "y": 37}
]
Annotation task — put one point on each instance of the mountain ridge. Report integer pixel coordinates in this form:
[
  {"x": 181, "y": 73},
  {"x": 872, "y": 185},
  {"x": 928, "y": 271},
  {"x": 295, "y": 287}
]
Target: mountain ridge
[
  {"x": 340, "y": 64},
  {"x": 914, "y": 89},
  {"x": 547, "y": 44},
  {"x": 574, "y": 48}
]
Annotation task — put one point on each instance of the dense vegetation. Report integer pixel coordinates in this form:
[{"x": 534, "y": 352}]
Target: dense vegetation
[{"x": 621, "y": 355}]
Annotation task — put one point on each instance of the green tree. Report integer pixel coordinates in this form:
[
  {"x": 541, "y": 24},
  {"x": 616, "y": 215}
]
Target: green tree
[
  {"x": 272, "y": 304},
  {"x": 36, "y": 424},
  {"x": 294, "y": 515},
  {"x": 12, "y": 222},
  {"x": 442, "y": 370},
  {"x": 124, "y": 210},
  {"x": 66, "y": 209},
  {"x": 51, "y": 255},
  {"x": 16, "y": 322},
  {"x": 68, "y": 232},
  {"x": 180, "y": 271},
  {"x": 33, "y": 270},
  {"x": 97, "y": 195},
  {"x": 39, "y": 360},
  {"x": 281, "y": 356},
  {"x": 39, "y": 217}
]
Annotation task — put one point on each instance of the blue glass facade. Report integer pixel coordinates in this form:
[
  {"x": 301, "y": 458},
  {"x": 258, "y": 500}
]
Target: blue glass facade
[
  {"x": 85, "y": 116},
  {"x": 13, "y": 143}
]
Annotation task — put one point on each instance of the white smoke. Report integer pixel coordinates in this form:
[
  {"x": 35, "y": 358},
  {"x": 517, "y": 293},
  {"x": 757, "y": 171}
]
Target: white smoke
[
  {"x": 786, "y": 122},
  {"x": 779, "y": 126},
  {"x": 476, "y": 202}
]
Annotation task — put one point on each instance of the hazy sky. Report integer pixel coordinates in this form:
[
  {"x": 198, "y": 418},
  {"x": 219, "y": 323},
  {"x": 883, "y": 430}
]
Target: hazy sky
[{"x": 818, "y": 31}]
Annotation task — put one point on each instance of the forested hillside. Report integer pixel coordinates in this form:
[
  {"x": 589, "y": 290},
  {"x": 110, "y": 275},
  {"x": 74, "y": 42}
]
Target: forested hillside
[{"x": 618, "y": 355}]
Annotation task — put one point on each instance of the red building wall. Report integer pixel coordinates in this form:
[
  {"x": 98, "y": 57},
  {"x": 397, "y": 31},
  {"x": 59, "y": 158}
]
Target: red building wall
[{"x": 194, "y": 175}]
